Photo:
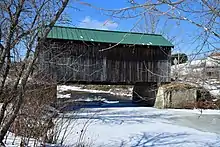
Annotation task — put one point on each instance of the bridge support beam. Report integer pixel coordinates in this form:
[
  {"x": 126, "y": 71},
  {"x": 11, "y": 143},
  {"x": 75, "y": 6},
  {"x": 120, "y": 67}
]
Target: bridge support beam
[{"x": 145, "y": 93}]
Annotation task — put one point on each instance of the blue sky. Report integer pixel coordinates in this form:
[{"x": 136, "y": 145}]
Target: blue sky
[
  {"x": 94, "y": 18},
  {"x": 87, "y": 17}
]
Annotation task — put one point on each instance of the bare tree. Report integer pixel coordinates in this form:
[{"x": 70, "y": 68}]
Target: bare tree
[
  {"x": 202, "y": 16},
  {"x": 23, "y": 28}
]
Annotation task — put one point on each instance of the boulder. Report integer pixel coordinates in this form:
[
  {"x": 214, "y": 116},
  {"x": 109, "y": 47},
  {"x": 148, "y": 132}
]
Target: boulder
[{"x": 176, "y": 95}]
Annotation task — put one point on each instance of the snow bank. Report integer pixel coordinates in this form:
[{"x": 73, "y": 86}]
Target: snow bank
[
  {"x": 63, "y": 88},
  {"x": 196, "y": 111}
]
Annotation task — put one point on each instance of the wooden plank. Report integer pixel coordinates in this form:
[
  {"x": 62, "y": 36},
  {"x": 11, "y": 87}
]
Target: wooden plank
[
  {"x": 68, "y": 72},
  {"x": 155, "y": 71},
  {"x": 58, "y": 69},
  {"x": 141, "y": 70},
  {"x": 84, "y": 68},
  {"x": 95, "y": 69},
  {"x": 92, "y": 71},
  {"x": 64, "y": 69},
  {"x": 109, "y": 71},
  {"x": 120, "y": 72},
  {"x": 123, "y": 71},
  {"x": 134, "y": 71},
  {"x": 74, "y": 68},
  {"x": 98, "y": 69},
  {"x": 112, "y": 71},
  {"x": 127, "y": 71},
  {"x": 80, "y": 74},
  {"x": 87, "y": 69},
  {"x": 67, "y": 69},
  {"x": 138, "y": 72},
  {"x": 129, "y": 64},
  {"x": 149, "y": 75},
  {"x": 159, "y": 72},
  {"x": 116, "y": 71},
  {"x": 104, "y": 69},
  {"x": 152, "y": 71}
]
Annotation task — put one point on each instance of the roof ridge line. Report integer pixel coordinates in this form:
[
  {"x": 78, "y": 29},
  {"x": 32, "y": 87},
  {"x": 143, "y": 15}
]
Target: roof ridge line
[{"x": 116, "y": 31}]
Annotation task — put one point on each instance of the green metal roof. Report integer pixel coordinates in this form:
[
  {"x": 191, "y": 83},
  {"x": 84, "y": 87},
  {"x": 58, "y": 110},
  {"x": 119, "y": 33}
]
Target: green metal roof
[{"x": 106, "y": 36}]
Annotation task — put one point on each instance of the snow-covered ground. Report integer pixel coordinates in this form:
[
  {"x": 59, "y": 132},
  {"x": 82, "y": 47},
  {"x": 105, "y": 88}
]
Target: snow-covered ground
[
  {"x": 118, "y": 125},
  {"x": 138, "y": 127},
  {"x": 124, "y": 126},
  {"x": 141, "y": 126},
  {"x": 14, "y": 141}
]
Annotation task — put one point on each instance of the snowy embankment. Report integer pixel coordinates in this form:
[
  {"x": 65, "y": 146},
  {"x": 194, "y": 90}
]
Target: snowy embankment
[{"x": 65, "y": 88}]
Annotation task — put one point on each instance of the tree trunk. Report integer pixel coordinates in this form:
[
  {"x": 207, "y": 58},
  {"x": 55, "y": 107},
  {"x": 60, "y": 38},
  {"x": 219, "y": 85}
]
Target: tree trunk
[{"x": 20, "y": 98}]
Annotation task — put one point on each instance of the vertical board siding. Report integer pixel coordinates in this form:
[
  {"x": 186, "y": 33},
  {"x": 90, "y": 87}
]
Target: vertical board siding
[{"x": 70, "y": 61}]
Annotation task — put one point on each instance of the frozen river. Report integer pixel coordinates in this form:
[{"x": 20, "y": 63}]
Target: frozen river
[{"x": 121, "y": 123}]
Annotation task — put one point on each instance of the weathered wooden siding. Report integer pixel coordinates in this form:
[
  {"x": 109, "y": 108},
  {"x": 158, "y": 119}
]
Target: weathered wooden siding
[{"x": 69, "y": 61}]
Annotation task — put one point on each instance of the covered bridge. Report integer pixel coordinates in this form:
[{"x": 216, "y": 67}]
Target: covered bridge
[{"x": 79, "y": 55}]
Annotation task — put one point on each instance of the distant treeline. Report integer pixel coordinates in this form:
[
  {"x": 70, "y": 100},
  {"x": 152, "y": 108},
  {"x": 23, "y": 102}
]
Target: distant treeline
[{"x": 182, "y": 58}]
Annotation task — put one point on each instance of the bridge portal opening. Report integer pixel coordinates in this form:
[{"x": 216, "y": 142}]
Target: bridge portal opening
[{"x": 145, "y": 94}]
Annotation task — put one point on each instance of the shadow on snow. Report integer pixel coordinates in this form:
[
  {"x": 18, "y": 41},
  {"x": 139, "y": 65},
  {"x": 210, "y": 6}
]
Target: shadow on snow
[{"x": 162, "y": 140}]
